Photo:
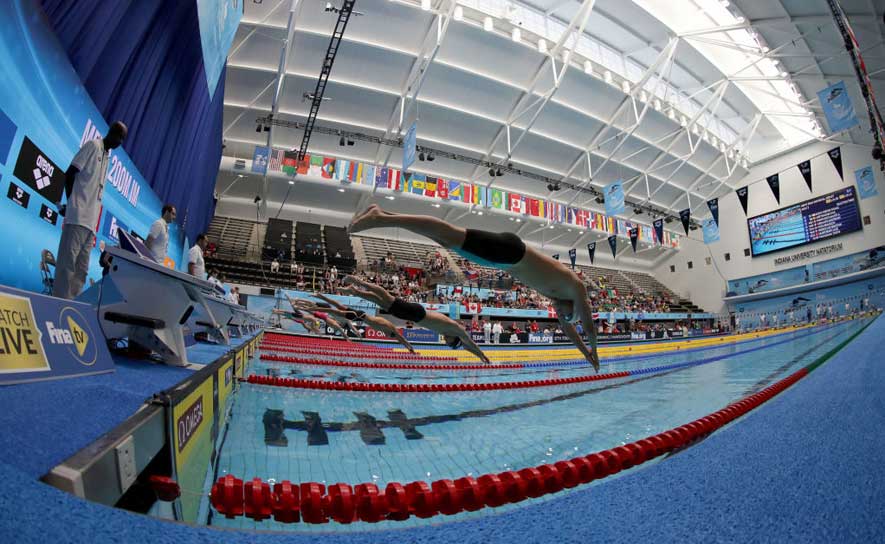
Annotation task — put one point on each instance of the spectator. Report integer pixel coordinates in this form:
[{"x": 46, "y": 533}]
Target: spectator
[
  {"x": 497, "y": 329},
  {"x": 274, "y": 266}
]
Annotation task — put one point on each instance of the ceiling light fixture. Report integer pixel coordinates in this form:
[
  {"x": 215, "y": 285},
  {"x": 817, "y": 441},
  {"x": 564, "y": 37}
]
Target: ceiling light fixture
[{"x": 488, "y": 24}]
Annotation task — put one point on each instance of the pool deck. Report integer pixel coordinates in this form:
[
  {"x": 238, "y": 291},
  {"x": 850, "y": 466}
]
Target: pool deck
[{"x": 804, "y": 467}]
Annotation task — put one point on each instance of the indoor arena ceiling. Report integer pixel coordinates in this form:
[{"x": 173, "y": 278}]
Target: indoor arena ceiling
[{"x": 676, "y": 98}]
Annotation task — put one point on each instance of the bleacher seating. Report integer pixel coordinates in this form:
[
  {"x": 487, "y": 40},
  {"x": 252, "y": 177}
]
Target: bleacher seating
[
  {"x": 405, "y": 252},
  {"x": 278, "y": 240},
  {"x": 339, "y": 250},
  {"x": 232, "y": 237},
  {"x": 309, "y": 243}
]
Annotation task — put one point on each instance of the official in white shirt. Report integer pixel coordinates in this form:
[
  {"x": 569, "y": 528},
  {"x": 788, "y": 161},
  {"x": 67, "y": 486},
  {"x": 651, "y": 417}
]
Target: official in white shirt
[
  {"x": 195, "y": 265},
  {"x": 84, "y": 185},
  {"x": 158, "y": 237}
]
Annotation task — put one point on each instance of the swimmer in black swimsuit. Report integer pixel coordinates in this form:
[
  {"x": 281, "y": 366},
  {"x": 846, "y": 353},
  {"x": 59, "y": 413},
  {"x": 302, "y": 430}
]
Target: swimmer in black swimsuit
[
  {"x": 376, "y": 322},
  {"x": 317, "y": 312},
  {"x": 507, "y": 251},
  {"x": 454, "y": 334}
]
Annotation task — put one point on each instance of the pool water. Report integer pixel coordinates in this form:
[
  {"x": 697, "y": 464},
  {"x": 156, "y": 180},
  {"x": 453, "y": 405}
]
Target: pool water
[{"x": 356, "y": 437}]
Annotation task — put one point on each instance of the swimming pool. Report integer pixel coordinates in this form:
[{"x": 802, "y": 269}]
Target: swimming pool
[{"x": 356, "y": 437}]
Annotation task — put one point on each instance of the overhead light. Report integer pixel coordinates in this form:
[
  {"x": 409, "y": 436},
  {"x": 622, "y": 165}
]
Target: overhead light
[
  {"x": 341, "y": 141},
  {"x": 637, "y": 211},
  {"x": 479, "y": 212},
  {"x": 607, "y": 76},
  {"x": 510, "y": 218},
  {"x": 329, "y": 7},
  {"x": 600, "y": 200},
  {"x": 565, "y": 56},
  {"x": 552, "y": 227},
  {"x": 350, "y": 142},
  {"x": 516, "y": 34},
  {"x": 625, "y": 86},
  {"x": 542, "y": 46},
  {"x": 435, "y": 205},
  {"x": 266, "y": 128},
  {"x": 340, "y": 190},
  {"x": 569, "y": 230},
  {"x": 459, "y": 13},
  {"x": 588, "y": 67},
  {"x": 668, "y": 219},
  {"x": 657, "y": 104},
  {"x": 518, "y": 220},
  {"x": 488, "y": 25},
  {"x": 784, "y": 73},
  {"x": 643, "y": 95},
  {"x": 291, "y": 182},
  {"x": 240, "y": 175},
  {"x": 492, "y": 172},
  {"x": 425, "y": 5},
  {"x": 390, "y": 197}
]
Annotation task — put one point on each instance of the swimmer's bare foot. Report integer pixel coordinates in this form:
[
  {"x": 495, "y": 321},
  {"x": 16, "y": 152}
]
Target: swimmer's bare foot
[{"x": 365, "y": 220}]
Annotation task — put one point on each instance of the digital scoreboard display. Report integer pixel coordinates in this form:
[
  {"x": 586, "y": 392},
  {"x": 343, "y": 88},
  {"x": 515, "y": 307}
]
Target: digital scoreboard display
[{"x": 817, "y": 219}]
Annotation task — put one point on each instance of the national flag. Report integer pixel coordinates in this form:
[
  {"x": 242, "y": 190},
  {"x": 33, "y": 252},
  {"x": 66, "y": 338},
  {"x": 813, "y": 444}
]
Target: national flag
[
  {"x": 316, "y": 165},
  {"x": 368, "y": 177},
  {"x": 534, "y": 207},
  {"x": 467, "y": 192},
  {"x": 276, "y": 160},
  {"x": 394, "y": 179},
  {"x": 328, "y": 167},
  {"x": 430, "y": 187},
  {"x": 496, "y": 196},
  {"x": 454, "y": 190},
  {"x": 381, "y": 177},
  {"x": 355, "y": 171},
  {"x": 548, "y": 209},
  {"x": 560, "y": 212},
  {"x": 417, "y": 183},
  {"x": 442, "y": 188},
  {"x": 342, "y": 169},
  {"x": 515, "y": 203},
  {"x": 303, "y": 165},
  {"x": 472, "y": 307},
  {"x": 290, "y": 162}
]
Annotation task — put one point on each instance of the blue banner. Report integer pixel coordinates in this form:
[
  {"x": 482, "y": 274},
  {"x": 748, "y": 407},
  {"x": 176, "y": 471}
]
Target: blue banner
[
  {"x": 45, "y": 338},
  {"x": 410, "y": 144},
  {"x": 614, "y": 198},
  {"x": 259, "y": 159},
  {"x": 866, "y": 182},
  {"x": 711, "y": 231},
  {"x": 419, "y": 335},
  {"x": 850, "y": 264},
  {"x": 43, "y": 132},
  {"x": 838, "y": 108},
  {"x": 768, "y": 282},
  {"x": 219, "y": 20}
]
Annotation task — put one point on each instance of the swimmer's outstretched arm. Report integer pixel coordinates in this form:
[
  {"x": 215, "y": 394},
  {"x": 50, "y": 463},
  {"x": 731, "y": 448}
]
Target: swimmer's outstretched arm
[
  {"x": 586, "y": 312},
  {"x": 471, "y": 346},
  {"x": 573, "y": 335},
  {"x": 438, "y": 322},
  {"x": 441, "y": 232}
]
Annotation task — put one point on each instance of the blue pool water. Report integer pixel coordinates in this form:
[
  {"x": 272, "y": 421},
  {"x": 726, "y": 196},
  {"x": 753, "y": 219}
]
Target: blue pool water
[{"x": 386, "y": 437}]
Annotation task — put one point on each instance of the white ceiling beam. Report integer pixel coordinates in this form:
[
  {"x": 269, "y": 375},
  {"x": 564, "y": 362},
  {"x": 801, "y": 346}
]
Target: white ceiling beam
[
  {"x": 256, "y": 26},
  {"x": 408, "y": 97}
]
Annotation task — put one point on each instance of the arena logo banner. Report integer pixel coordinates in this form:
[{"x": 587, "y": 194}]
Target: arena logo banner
[
  {"x": 634, "y": 237},
  {"x": 613, "y": 244},
  {"x": 866, "y": 182},
  {"x": 837, "y": 106},
  {"x": 555, "y": 256},
  {"x": 39, "y": 172},
  {"x": 713, "y": 204},
  {"x": 805, "y": 170},
  {"x": 614, "y": 198},
  {"x": 591, "y": 250},
  {"x": 659, "y": 230},
  {"x": 711, "y": 231},
  {"x": 835, "y": 155},
  {"x": 18, "y": 195},
  {"x": 219, "y": 20},
  {"x": 685, "y": 217},
  {"x": 743, "y": 193},
  {"x": 259, "y": 159},
  {"x": 775, "y": 184},
  {"x": 45, "y": 338}
]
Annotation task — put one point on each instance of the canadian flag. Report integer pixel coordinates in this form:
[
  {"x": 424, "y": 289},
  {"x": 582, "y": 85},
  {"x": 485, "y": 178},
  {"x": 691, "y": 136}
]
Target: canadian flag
[{"x": 472, "y": 307}]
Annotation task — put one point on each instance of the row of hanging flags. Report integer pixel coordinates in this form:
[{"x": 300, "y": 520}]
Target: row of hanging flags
[
  {"x": 866, "y": 188},
  {"x": 353, "y": 172}
]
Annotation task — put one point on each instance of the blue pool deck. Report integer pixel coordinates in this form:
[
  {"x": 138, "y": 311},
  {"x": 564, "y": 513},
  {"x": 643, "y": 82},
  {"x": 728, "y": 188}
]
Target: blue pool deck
[{"x": 805, "y": 467}]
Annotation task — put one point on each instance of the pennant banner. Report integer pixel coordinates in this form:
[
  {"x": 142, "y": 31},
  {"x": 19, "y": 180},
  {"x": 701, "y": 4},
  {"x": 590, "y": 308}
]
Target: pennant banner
[
  {"x": 713, "y": 204},
  {"x": 573, "y": 256},
  {"x": 805, "y": 169},
  {"x": 659, "y": 230},
  {"x": 591, "y": 250},
  {"x": 835, "y": 155},
  {"x": 742, "y": 196},
  {"x": 259, "y": 159},
  {"x": 866, "y": 182},
  {"x": 613, "y": 243},
  {"x": 556, "y": 256},
  {"x": 711, "y": 231},
  {"x": 775, "y": 184},
  {"x": 614, "y": 198},
  {"x": 838, "y": 108},
  {"x": 685, "y": 216},
  {"x": 634, "y": 237}
]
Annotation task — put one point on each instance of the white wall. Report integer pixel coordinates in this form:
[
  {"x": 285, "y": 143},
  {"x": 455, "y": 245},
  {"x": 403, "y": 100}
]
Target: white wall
[{"x": 705, "y": 284}]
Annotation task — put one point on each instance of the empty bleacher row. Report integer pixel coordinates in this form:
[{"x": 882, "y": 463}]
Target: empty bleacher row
[
  {"x": 277, "y": 240},
  {"x": 339, "y": 250},
  {"x": 309, "y": 243},
  {"x": 404, "y": 252},
  {"x": 232, "y": 237}
]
